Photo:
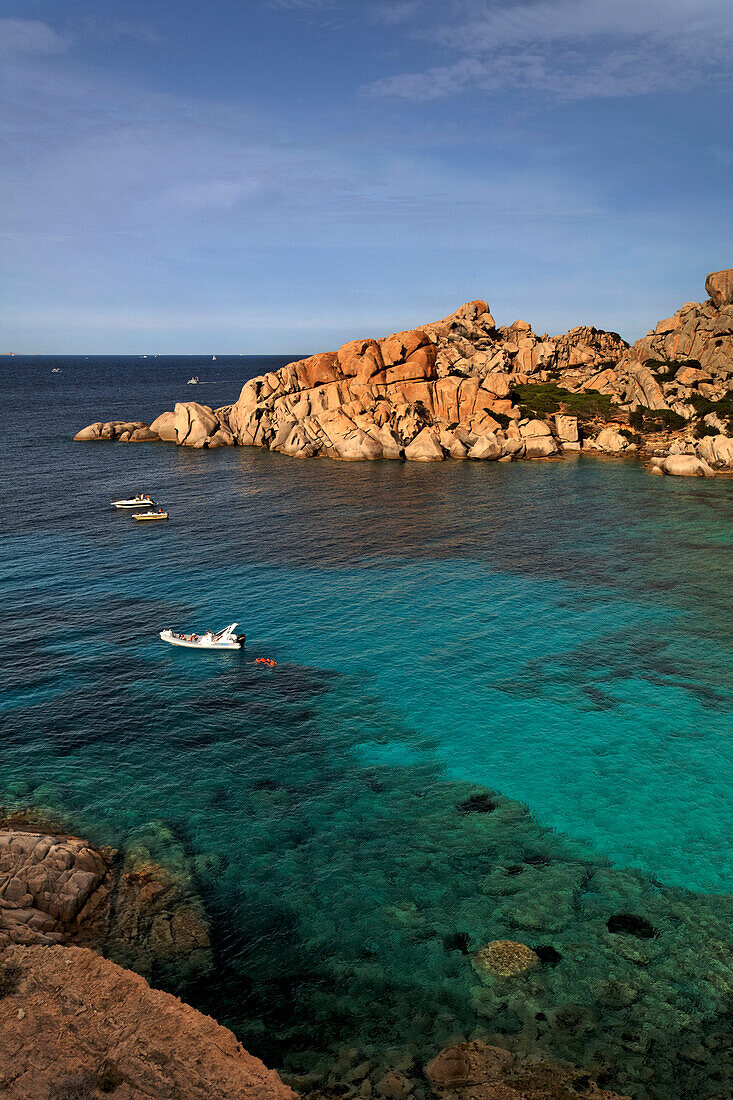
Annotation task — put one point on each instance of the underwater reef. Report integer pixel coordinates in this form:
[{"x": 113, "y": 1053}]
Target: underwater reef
[{"x": 449, "y": 917}]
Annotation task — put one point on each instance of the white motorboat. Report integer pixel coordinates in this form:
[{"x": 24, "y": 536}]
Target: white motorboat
[
  {"x": 142, "y": 500},
  {"x": 160, "y": 514},
  {"x": 224, "y": 639},
  {"x": 55, "y": 370},
  {"x": 193, "y": 381}
]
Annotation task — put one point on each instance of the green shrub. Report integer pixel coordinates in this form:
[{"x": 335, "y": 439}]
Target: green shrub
[
  {"x": 542, "y": 399},
  {"x": 665, "y": 370},
  {"x": 656, "y": 420},
  {"x": 723, "y": 408},
  {"x": 631, "y": 436},
  {"x": 501, "y": 419},
  {"x": 700, "y": 430}
]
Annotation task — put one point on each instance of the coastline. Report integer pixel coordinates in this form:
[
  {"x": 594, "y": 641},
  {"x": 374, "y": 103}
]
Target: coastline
[{"x": 463, "y": 388}]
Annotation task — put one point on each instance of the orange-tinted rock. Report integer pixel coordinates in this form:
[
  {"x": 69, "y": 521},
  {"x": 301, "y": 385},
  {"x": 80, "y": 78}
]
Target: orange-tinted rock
[
  {"x": 317, "y": 370},
  {"x": 144, "y": 435},
  {"x": 463, "y": 370},
  {"x": 360, "y": 359},
  {"x": 467, "y": 1064},
  {"x": 400, "y": 346},
  {"x": 90, "y": 432},
  {"x": 719, "y": 285},
  {"x": 77, "y": 1024},
  {"x": 476, "y": 1071}
]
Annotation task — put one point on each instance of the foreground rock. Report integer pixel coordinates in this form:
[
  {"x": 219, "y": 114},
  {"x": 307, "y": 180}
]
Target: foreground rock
[
  {"x": 475, "y": 1071},
  {"x": 464, "y": 387},
  {"x": 74, "y": 1025},
  {"x": 57, "y": 889}
]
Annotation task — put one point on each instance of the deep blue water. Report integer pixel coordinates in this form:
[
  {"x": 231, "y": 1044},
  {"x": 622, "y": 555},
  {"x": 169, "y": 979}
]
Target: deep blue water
[{"x": 555, "y": 632}]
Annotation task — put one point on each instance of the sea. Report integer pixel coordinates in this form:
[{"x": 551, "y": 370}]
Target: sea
[{"x": 501, "y": 709}]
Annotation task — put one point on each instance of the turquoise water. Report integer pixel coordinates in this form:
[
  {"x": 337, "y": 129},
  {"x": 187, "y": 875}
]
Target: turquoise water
[{"x": 554, "y": 637}]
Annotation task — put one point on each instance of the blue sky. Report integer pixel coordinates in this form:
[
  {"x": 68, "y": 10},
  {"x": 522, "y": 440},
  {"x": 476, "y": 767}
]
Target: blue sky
[{"x": 283, "y": 175}]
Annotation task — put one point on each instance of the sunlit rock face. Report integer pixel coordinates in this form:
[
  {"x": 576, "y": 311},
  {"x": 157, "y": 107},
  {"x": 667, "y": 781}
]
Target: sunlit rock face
[{"x": 406, "y": 396}]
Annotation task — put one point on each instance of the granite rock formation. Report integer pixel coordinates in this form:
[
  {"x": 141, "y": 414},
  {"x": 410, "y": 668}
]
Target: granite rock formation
[
  {"x": 464, "y": 387},
  {"x": 57, "y": 889},
  {"x": 75, "y": 1025}
]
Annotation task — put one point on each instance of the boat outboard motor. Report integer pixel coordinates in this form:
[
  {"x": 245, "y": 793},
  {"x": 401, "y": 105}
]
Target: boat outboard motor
[{"x": 241, "y": 638}]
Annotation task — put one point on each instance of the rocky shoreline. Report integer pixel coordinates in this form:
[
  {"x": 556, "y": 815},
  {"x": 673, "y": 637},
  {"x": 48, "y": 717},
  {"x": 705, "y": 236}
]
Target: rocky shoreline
[
  {"x": 74, "y": 1025},
  {"x": 465, "y": 388}
]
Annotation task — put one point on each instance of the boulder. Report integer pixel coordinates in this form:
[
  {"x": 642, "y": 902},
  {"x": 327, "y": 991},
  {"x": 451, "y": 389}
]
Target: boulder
[
  {"x": 222, "y": 438},
  {"x": 686, "y": 466},
  {"x": 719, "y": 285},
  {"x": 540, "y": 446},
  {"x": 402, "y": 345},
  {"x": 534, "y": 429},
  {"x": 486, "y": 447},
  {"x": 477, "y": 1071},
  {"x": 144, "y": 435},
  {"x": 425, "y": 447},
  {"x": 92, "y": 431},
  {"x": 566, "y": 428},
  {"x": 315, "y": 371},
  {"x": 716, "y": 450},
  {"x": 691, "y": 376},
  {"x": 165, "y": 427},
  {"x": 467, "y": 1064},
  {"x": 497, "y": 382},
  {"x": 610, "y": 441},
  {"x": 194, "y": 423},
  {"x": 357, "y": 447},
  {"x": 360, "y": 359}
]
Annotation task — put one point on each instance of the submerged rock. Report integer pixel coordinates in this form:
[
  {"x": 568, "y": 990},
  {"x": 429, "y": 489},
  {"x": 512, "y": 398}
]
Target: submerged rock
[
  {"x": 477, "y": 1071},
  {"x": 505, "y": 959}
]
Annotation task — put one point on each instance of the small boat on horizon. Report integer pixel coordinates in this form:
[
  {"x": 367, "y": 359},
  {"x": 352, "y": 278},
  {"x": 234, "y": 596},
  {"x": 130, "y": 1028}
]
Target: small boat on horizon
[
  {"x": 56, "y": 370},
  {"x": 193, "y": 381},
  {"x": 213, "y": 358},
  {"x": 142, "y": 500},
  {"x": 160, "y": 514},
  {"x": 223, "y": 639}
]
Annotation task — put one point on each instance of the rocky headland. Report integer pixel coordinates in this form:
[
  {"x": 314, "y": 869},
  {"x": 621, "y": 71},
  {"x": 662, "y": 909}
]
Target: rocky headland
[
  {"x": 74, "y": 1025},
  {"x": 465, "y": 388}
]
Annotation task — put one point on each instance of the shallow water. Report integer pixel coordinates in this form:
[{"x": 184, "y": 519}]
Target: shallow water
[{"x": 555, "y": 632}]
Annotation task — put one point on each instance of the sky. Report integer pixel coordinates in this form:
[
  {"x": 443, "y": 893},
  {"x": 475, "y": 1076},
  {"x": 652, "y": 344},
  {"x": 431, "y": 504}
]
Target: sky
[{"x": 253, "y": 176}]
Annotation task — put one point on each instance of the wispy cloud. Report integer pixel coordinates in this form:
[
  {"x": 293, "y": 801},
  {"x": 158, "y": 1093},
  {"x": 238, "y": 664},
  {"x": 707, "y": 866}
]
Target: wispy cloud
[
  {"x": 571, "y": 49},
  {"x": 28, "y": 37},
  {"x": 392, "y": 13}
]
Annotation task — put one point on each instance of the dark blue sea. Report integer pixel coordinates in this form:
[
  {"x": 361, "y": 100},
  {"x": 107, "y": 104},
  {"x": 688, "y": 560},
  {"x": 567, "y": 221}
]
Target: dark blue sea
[{"x": 501, "y": 710}]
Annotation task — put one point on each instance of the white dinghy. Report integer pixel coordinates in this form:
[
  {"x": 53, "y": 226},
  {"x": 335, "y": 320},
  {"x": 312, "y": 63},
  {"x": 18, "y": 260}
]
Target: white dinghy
[
  {"x": 224, "y": 639},
  {"x": 142, "y": 500}
]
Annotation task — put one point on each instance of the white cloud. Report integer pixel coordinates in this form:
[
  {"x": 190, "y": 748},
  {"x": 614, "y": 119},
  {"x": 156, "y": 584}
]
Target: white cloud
[
  {"x": 393, "y": 12},
  {"x": 26, "y": 37},
  {"x": 572, "y": 48}
]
